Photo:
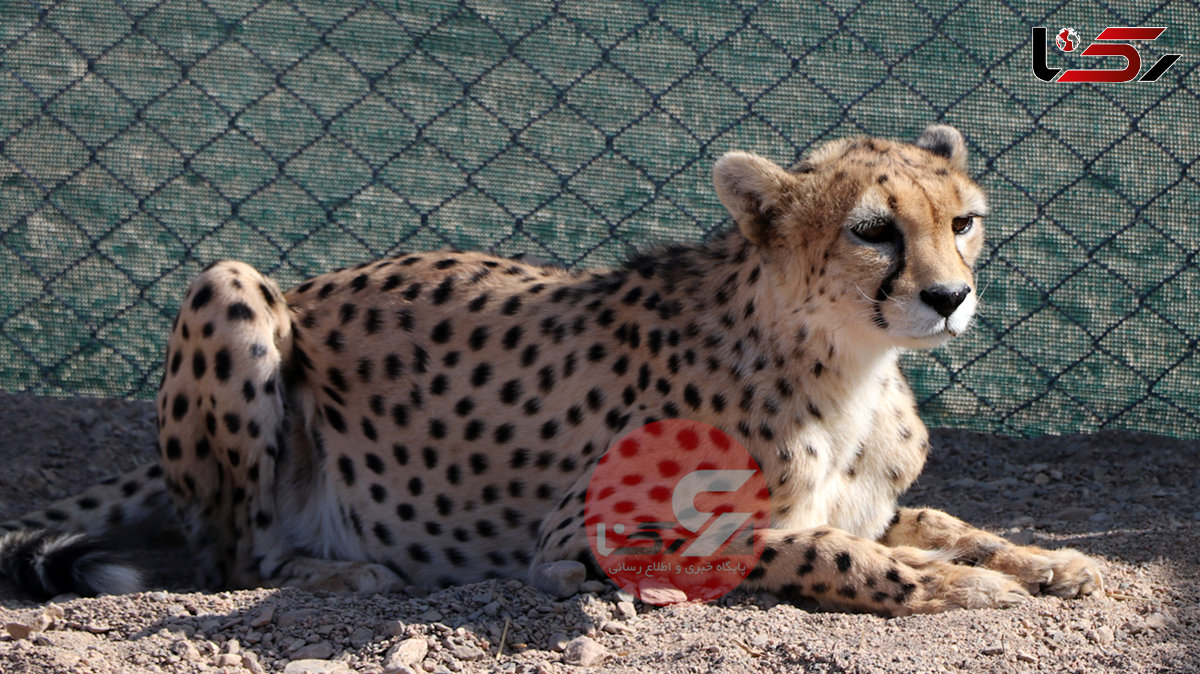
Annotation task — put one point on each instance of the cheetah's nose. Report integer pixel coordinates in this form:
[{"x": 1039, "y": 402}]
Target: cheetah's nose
[{"x": 945, "y": 298}]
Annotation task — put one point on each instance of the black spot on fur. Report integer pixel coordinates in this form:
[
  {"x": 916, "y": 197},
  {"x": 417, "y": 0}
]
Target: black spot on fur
[{"x": 240, "y": 311}]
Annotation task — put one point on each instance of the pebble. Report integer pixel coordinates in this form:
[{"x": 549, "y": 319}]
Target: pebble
[
  {"x": 292, "y": 617},
  {"x": 560, "y": 579},
  {"x": 187, "y": 650},
  {"x": 263, "y": 617},
  {"x": 1074, "y": 514},
  {"x": 584, "y": 651},
  {"x": 1102, "y": 635},
  {"x": 361, "y": 637},
  {"x": 407, "y": 653},
  {"x": 598, "y": 586},
  {"x": 466, "y": 652},
  {"x": 994, "y": 649},
  {"x": 663, "y": 596},
  {"x": 431, "y": 616},
  {"x": 614, "y": 627},
  {"x": 558, "y": 642},
  {"x": 318, "y": 651},
  {"x": 251, "y": 663},
  {"x": 1156, "y": 621},
  {"x": 626, "y": 609},
  {"x": 1024, "y": 537},
  {"x": 316, "y": 667}
]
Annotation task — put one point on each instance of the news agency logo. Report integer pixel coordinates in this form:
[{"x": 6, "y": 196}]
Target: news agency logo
[
  {"x": 1108, "y": 43},
  {"x": 1067, "y": 39},
  {"x": 672, "y": 509}
]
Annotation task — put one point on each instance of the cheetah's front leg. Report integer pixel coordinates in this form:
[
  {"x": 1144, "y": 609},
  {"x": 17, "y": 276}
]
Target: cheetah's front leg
[
  {"x": 847, "y": 573},
  {"x": 1063, "y": 572}
]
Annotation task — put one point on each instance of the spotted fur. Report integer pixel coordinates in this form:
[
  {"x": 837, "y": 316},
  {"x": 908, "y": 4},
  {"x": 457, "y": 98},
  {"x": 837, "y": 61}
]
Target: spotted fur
[{"x": 434, "y": 418}]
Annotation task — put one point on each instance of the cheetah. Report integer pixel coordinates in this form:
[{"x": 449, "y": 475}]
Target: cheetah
[{"x": 434, "y": 418}]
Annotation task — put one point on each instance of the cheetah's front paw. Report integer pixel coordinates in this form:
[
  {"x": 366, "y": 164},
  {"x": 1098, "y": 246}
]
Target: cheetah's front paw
[
  {"x": 338, "y": 576},
  {"x": 952, "y": 586},
  {"x": 1062, "y": 573},
  {"x": 1073, "y": 574}
]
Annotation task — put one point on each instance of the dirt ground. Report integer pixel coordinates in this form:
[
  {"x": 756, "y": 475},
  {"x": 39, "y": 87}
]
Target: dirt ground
[{"x": 1128, "y": 499}]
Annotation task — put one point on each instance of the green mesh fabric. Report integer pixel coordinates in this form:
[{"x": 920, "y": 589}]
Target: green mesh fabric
[{"x": 141, "y": 140}]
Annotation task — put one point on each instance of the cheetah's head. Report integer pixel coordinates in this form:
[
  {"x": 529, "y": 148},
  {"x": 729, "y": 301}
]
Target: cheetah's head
[{"x": 869, "y": 235}]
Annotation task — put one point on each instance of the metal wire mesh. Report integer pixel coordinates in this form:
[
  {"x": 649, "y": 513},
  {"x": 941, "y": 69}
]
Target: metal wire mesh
[{"x": 141, "y": 140}]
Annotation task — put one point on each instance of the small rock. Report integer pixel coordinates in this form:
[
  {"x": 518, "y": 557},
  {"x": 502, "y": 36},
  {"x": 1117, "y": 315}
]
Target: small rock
[
  {"x": 1041, "y": 478},
  {"x": 560, "y": 579},
  {"x": 187, "y": 650},
  {"x": 599, "y": 586},
  {"x": 558, "y": 642},
  {"x": 431, "y": 616},
  {"x": 624, "y": 595},
  {"x": 233, "y": 647},
  {"x": 662, "y": 596},
  {"x": 995, "y": 649},
  {"x": 318, "y": 651},
  {"x": 292, "y": 617},
  {"x": 466, "y": 652},
  {"x": 361, "y": 637},
  {"x": 626, "y": 609},
  {"x": 251, "y": 663},
  {"x": 227, "y": 660},
  {"x": 1026, "y": 657},
  {"x": 263, "y": 617},
  {"x": 407, "y": 653},
  {"x": 316, "y": 667},
  {"x": 18, "y": 630},
  {"x": 584, "y": 652},
  {"x": 1155, "y": 621},
  {"x": 1024, "y": 537},
  {"x": 614, "y": 627},
  {"x": 1074, "y": 514},
  {"x": 1102, "y": 635},
  {"x": 48, "y": 617}
]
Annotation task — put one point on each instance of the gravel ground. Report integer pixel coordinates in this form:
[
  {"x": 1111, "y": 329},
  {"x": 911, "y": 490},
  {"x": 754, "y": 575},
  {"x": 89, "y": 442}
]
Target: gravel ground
[{"x": 1129, "y": 499}]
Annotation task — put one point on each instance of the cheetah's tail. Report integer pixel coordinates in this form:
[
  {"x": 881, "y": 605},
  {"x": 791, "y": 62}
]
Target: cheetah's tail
[
  {"x": 70, "y": 546},
  {"x": 46, "y": 563}
]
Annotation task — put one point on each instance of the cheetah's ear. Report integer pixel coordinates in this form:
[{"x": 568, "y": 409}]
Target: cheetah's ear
[
  {"x": 752, "y": 188},
  {"x": 945, "y": 141}
]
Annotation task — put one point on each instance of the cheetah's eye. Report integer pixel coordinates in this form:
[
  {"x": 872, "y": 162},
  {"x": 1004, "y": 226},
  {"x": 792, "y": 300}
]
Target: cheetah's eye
[
  {"x": 876, "y": 230},
  {"x": 962, "y": 225}
]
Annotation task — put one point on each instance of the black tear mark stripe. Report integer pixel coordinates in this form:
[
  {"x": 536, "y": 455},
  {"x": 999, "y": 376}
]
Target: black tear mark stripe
[{"x": 885, "y": 287}]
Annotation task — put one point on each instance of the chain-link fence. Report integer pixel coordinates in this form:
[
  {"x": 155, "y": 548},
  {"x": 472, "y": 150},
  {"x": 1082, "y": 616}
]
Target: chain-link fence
[{"x": 140, "y": 140}]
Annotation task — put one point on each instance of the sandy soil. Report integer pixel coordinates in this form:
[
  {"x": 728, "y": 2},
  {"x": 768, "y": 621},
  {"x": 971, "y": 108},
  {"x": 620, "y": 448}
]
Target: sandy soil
[{"x": 1128, "y": 499}]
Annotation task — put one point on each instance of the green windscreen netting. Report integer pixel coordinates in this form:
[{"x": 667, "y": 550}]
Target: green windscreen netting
[{"x": 141, "y": 140}]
